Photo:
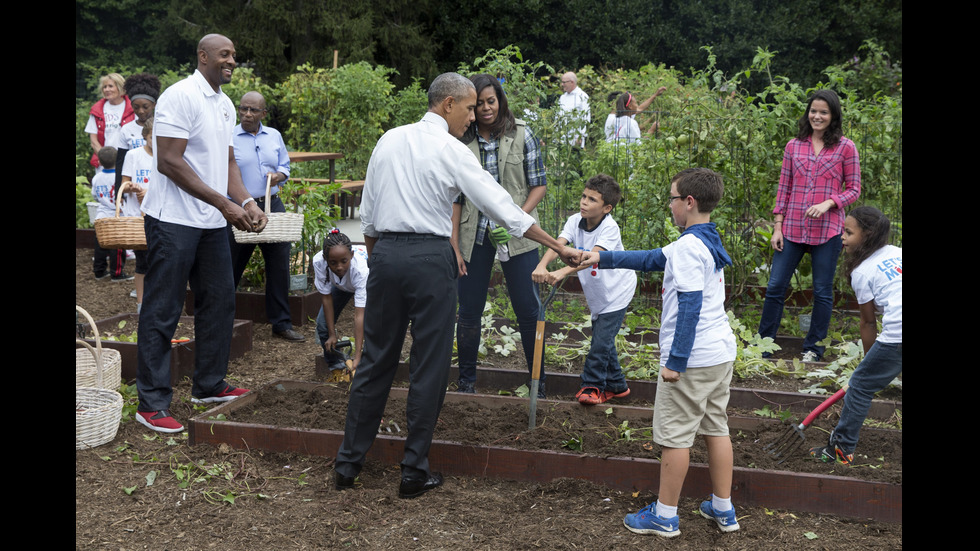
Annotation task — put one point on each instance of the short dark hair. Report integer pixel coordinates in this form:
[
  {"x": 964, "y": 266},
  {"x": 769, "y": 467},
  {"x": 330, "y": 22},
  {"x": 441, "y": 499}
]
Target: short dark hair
[
  {"x": 107, "y": 157},
  {"x": 607, "y": 187},
  {"x": 834, "y": 131},
  {"x": 705, "y": 185}
]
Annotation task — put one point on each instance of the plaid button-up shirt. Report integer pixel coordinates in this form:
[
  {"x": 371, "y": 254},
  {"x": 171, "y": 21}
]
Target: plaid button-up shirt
[{"x": 807, "y": 179}]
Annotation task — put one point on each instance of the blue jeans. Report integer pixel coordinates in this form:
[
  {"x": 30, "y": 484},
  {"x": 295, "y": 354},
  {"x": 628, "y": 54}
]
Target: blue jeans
[
  {"x": 473, "y": 297},
  {"x": 823, "y": 258},
  {"x": 177, "y": 255},
  {"x": 878, "y": 368},
  {"x": 601, "y": 368},
  {"x": 340, "y": 299}
]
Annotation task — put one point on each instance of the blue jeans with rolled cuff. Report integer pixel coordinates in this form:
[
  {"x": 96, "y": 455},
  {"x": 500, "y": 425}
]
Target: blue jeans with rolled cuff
[
  {"x": 602, "y": 369},
  {"x": 880, "y": 366},
  {"x": 823, "y": 259}
]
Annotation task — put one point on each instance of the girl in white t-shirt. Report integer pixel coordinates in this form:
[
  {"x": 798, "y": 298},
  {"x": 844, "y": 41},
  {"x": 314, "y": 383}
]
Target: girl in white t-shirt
[
  {"x": 621, "y": 124},
  {"x": 137, "y": 172},
  {"x": 340, "y": 272},
  {"x": 874, "y": 268}
]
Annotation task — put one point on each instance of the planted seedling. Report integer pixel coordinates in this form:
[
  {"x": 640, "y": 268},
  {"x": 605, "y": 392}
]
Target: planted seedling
[{"x": 573, "y": 443}]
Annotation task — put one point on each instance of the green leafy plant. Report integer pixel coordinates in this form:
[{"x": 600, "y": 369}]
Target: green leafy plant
[
  {"x": 774, "y": 413},
  {"x": 628, "y": 433},
  {"x": 83, "y": 195}
]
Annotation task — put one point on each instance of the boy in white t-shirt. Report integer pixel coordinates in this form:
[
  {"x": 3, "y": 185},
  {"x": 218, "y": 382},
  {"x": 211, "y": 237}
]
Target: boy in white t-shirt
[
  {"x": 104, "y": 193},
  {"x": 697, "y": 350},
  {"x": 608, "y": 293}
]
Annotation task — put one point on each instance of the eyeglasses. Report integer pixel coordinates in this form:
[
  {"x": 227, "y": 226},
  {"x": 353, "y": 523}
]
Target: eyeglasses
[
  {"x": 242, "y": 109},
  {"x": 672, "y": 197}
]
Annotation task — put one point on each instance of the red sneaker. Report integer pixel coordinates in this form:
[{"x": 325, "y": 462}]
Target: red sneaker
[
  {"x": 226, "y": 395},
  {"x": 590, "y": 396},
  {"x": 609, "y": 395},
  {"x": 160, "y": 421}
]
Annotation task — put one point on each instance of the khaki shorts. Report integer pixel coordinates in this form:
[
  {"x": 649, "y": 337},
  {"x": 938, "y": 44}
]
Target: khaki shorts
[{"x": 696, "y": 404}]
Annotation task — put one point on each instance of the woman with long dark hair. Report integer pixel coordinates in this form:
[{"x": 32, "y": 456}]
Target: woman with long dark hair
[
  {"x": 508, "y": 150},
  {"x": 821, "y": 175}
]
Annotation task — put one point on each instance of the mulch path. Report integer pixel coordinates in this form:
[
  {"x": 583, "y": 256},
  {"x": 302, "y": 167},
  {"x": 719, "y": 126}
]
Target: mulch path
[{"x": 149, "y": 491}]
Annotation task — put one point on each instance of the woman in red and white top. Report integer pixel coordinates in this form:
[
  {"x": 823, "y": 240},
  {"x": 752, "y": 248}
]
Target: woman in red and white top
[
  {"x": 108, "y": 114},
  {"x": 821, "y": 175}
]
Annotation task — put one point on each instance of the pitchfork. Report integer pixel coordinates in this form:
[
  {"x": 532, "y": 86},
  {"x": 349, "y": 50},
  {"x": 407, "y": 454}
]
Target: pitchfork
[{"x": 787, "y": 442}]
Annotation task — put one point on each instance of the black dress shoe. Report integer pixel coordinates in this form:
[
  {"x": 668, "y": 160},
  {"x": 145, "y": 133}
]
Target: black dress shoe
[
  {"x": 342, "y": 482},
  {"x": 290, "y": 335},
  {"x": 410, "y": 487}
]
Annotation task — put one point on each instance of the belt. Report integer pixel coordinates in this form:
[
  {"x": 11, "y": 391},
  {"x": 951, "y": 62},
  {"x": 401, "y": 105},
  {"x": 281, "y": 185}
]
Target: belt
[{"x": 411, "y": 236}]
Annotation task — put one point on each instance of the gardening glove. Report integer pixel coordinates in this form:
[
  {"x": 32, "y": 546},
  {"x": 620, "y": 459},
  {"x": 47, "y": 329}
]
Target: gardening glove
[{"x": 499, "y": 236}]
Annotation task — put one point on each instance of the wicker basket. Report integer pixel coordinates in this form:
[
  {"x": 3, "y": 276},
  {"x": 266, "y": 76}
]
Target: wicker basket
[
  {"x": 98, "y": 410},
  {"x": 86, "y": 371},
  {"x": 121, "y": 232},
  {"x": 283, "y": 227}
]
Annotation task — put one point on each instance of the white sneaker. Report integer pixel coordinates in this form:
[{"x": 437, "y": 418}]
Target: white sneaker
[{"x": 810, "y": 356}]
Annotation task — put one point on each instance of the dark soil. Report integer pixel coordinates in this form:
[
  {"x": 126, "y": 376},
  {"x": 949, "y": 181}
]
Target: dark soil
[
  {"x": 325, "y": 407},
  {"x": 132, "y": 493}
]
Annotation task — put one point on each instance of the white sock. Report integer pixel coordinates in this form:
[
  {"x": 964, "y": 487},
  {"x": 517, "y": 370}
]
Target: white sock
[
  {"x": 139, "y": 306},
  {"x": 666, "y": 511},
  {"x": 721, "y": 505}
]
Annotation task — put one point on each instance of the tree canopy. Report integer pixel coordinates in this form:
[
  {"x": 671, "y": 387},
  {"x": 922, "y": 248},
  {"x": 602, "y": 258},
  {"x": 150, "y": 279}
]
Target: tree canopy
[{"x": 421, "y": 38}]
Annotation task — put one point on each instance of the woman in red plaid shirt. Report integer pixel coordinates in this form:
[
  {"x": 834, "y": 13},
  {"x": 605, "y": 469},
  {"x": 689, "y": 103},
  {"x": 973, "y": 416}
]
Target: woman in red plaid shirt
[{"x": 821, "y": 175}]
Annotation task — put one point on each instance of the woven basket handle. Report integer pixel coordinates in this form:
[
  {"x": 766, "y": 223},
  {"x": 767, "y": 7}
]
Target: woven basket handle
[
  {"x": 268, "y": 193},
  {"x": 119, "y": 197},
  {"x": 97, "y": 351}
]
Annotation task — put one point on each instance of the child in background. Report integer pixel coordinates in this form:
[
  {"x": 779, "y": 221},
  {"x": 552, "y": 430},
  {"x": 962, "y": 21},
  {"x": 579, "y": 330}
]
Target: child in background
[
  {"x": 136, "y": 174},
  {"x": 874, "y": 269},
  {"x": 104, "y": 193},
  {"x": 608, "y": 293},
  {"x": 340, "y": 272},
  {"x": 697, "y": 349}
]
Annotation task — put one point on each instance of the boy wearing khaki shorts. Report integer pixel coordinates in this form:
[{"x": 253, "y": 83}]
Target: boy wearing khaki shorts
[{"x": 697, "y": 353}]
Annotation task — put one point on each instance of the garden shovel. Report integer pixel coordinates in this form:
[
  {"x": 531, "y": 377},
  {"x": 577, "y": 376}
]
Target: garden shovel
[
  {"x": 538, "y": 353},
  {"x": 788, "y": 441},
  {"x": 342, "y": 372}
]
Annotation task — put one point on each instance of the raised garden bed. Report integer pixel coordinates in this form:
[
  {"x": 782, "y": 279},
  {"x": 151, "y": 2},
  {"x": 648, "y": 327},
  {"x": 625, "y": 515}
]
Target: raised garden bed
[
  {"x": 564, "y": 385},
  {"x": 487, "y": 436},
  {"x": 303, "y": 306},
  {"x": 84, "y": 238},
  {"x": 181, "y": 354}
]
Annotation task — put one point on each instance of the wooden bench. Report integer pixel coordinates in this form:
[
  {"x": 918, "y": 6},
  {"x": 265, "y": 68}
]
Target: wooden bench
[{"x": 348, "y": 196}]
